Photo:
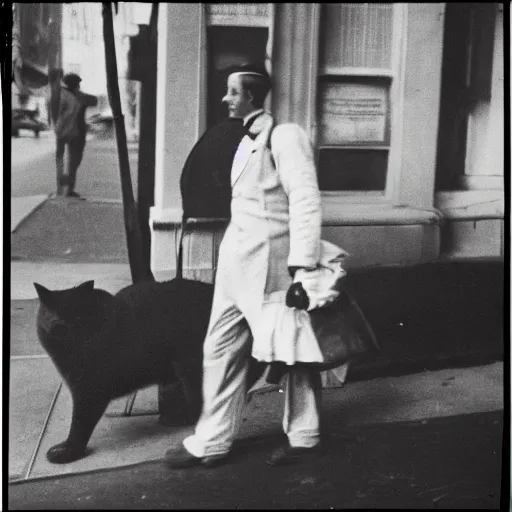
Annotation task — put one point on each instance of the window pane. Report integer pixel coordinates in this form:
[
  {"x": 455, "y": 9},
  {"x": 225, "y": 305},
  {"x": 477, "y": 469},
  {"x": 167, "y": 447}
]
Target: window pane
[
  {"x": 356, "y": 35},
  {"x": 352, "y": 169}
]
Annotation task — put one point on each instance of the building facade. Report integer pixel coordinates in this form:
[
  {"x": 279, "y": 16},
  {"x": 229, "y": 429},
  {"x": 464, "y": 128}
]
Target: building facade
[{"x": 403, "y": 103}]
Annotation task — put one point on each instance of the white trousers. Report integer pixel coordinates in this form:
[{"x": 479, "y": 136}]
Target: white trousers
[{"x": 227, "y": 350}]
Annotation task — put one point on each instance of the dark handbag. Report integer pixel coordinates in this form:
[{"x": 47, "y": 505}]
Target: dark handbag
[{"x": 342, "y": 331}]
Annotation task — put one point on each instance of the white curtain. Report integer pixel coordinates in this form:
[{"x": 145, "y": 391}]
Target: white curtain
[{"x": 357, "y": 35}]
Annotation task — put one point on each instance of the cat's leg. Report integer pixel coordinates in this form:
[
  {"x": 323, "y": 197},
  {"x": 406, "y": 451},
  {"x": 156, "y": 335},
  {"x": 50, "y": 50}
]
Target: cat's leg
[
  {"x": 87, "y": 411},
  {"x": 190, "y": 375},
  {"x": 172, "y": 405}
]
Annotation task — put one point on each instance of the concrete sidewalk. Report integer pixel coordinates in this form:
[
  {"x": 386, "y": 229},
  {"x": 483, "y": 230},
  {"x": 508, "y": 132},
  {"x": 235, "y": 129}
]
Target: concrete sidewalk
[
  {"x": 22, "y": 207},
  {"x": 40, "y": 414},
  {"x": 108, "y": 276}
]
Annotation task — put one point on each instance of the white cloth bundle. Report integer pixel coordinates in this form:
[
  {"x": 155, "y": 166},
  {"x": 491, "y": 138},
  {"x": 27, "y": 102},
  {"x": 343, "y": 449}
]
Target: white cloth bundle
[
  {"x": 285, "y": 334},
  {"x": 319, "y": 283}
]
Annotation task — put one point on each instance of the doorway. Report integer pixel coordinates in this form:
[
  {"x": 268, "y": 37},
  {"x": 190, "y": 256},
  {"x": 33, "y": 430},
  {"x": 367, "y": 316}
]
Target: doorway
[{"x": 227, "y": 47}]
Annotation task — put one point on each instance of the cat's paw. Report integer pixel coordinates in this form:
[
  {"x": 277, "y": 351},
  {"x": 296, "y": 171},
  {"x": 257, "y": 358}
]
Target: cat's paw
[{"x": 63, "y": 453}]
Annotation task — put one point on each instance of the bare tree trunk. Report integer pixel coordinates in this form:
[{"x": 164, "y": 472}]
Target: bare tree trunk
[{"x": 140, "y": 271}]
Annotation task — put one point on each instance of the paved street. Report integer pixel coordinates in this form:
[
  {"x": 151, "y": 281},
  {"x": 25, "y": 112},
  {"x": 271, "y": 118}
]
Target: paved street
[
  {"x": 442, "y": 463},
  {"x": 33, "y": 167}
]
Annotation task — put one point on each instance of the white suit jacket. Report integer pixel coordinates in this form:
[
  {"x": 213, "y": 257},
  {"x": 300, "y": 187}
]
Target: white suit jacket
[{"x": 275, "y": 223}]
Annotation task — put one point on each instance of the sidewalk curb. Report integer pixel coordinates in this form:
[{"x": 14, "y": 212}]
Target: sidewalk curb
[
  {"x": 354, "y": 430},
  {"x": 19, "y": 481},
  {"x": 23, "y": 207},
  {"x": 94, "y": 199}
]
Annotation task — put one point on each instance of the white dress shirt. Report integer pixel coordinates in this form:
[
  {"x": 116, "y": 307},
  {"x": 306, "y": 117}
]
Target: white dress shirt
[{"x": 245, "y": 147}]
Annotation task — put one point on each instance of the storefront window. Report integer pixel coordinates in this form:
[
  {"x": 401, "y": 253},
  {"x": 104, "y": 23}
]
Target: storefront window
[{"x": 353, "y": 96}]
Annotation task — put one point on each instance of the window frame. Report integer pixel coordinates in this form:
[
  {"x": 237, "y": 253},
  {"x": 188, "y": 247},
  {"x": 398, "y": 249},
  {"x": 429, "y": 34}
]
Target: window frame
[{"x": 396, "y": 94}]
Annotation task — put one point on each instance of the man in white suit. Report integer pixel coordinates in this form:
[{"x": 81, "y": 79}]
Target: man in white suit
[{"x": 273, "y": 234}]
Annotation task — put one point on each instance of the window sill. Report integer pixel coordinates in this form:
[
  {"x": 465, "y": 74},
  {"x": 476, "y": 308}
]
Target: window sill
[
  {"x": 330, "y": 71},
  {"x": 471, "y": 204},
  {"x": 336, "y": 214}
]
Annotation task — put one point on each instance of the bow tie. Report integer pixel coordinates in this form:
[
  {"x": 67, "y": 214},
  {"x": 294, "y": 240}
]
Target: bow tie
[{"x": 247, "y": 126}]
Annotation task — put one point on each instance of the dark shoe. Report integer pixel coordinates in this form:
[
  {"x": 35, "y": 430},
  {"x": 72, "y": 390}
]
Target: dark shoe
[
  {"x": 74, "y": 194},
  {"x": 294, "y": 455},
  {"x": 178, "y": 458}
]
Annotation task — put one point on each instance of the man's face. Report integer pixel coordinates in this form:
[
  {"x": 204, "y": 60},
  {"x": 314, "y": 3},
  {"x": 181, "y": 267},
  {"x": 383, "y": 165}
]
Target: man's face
[{"x": 238, "y": 100}]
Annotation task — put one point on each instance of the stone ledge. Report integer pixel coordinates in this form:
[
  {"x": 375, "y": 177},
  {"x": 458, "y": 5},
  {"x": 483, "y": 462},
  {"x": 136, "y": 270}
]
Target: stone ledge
[{"x": 333, "y": 215}]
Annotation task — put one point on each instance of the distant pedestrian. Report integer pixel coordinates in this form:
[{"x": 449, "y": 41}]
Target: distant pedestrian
[{"x": 70, "y": 129}]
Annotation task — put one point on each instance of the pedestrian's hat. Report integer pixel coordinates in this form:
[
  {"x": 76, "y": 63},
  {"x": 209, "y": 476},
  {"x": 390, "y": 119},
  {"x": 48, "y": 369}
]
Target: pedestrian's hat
[
  {"x": 71, "y": 79},
  {"x": 250, "y": 68}
]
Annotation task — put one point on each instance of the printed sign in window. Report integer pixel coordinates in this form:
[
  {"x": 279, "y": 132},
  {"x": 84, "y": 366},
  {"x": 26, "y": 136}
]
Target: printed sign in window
[
  {"x": 353, "y": 114},
  {"x": 239, "y": 14}
]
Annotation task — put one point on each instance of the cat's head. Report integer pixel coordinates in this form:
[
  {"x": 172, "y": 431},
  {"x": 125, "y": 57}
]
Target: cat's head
[{"x": 72, "y": 305}]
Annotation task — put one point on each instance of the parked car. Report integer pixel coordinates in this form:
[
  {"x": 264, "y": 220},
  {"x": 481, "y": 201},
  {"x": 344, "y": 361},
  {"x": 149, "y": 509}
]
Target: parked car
[{"x": 26, "y": 120}]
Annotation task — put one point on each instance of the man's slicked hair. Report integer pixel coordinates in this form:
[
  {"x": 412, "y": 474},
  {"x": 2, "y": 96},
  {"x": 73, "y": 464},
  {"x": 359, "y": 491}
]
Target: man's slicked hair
[{"x": 257, "y": 81}]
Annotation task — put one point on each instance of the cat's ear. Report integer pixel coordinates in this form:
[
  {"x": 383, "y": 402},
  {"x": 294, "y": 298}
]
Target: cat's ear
[
  {"x": 44, "y": 294},
  {"x": 87, "y": 286}
]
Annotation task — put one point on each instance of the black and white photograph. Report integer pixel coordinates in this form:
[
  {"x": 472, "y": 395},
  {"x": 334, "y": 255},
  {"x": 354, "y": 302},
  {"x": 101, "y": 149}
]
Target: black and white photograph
[{"x": 259, "y": 256}]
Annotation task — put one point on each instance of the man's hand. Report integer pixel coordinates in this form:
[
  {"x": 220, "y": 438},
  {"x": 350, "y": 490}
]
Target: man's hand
[{"x": 311, "y": 289}]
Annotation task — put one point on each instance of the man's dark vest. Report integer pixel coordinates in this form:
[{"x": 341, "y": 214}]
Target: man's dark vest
[{"x": 205, "y": 181}]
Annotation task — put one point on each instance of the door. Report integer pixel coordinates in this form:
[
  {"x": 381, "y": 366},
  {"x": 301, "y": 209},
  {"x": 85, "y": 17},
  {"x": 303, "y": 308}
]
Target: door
[{"x": 227, "y": 47}]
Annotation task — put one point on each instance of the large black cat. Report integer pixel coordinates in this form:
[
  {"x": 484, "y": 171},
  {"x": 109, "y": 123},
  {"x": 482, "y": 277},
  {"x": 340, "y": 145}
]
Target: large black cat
[{"x": 106, "y": 346}]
